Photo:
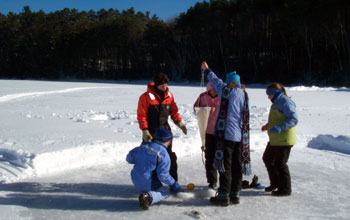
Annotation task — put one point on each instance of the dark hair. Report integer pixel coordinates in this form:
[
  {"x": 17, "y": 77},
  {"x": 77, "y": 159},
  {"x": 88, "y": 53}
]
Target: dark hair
[
  {"x": 277, "y": 86},
  {"x": 160, "y": 79}
]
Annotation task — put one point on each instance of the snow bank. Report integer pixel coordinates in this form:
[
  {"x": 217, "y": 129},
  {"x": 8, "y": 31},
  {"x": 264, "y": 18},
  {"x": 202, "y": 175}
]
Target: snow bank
[
  {"x": 96, "y": 154},
  {"x": 81, "y": 157},
  {"x": 316, "y": 88},
  {"x": 12, "y": 163},
  {"x": 339, "y": 144},
  {"x": 15, "y": 165}
]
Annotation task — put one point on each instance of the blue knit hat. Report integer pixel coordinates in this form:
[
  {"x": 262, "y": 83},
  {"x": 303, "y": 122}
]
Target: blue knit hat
[
  {"x": 163, "y": 135},
  {"x": 233, "y": 77}
]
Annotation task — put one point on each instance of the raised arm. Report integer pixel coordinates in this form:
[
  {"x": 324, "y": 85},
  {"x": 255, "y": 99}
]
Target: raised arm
[{"x": 215, "y": 81}]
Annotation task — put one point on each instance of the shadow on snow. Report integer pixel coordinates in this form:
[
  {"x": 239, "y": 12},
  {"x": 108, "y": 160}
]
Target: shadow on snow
[
  {"x": 87, "y": 196},
  {"x": 79, "y": 196}
]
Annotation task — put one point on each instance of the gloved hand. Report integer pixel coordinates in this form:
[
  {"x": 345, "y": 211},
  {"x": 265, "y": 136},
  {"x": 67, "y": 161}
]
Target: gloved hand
[
  {"x": 175, "y": 187},
  {"x": 182, "y": 127},
  {"x": 276, "y": 129},
  {"x": 146, "y": 136},
  {"x": 264, "y": 128}
]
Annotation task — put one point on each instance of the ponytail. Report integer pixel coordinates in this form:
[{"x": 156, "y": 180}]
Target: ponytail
[
  {"x": 277, "y": 86},
  {"x": 234, "y": 85}
]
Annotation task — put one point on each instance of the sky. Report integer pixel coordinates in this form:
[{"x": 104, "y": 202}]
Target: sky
[{"x": 164, "y": 9}]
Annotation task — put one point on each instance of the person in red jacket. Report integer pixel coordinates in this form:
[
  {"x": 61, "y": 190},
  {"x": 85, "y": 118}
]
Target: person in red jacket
[{"x": 154, "y": 108}]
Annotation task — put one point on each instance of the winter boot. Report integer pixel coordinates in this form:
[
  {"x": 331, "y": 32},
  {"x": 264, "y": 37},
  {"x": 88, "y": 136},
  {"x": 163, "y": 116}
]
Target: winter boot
[
  {"x": 144, "y": 201},
  {"x": 254, "y": 182},
  {"x": 212, "y": 186},
  {"x": 245, "y": 184},
  {"x": 234, "y": 198},
  {"x": 270, "y": 188},
  {"x": 281, "y": 192},
  {"x": 220, "y": 199}
]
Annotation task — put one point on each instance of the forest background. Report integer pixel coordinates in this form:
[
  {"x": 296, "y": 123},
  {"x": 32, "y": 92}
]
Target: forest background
[{"x": 289, "y": 41}]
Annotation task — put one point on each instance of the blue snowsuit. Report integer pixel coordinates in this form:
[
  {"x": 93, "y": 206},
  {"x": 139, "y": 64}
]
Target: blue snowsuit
[{"x": 151, "y": 168}]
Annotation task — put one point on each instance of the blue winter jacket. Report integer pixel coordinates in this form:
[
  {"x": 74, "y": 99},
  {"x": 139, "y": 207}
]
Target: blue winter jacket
[
  {"x": 233, "y": 129},
  {"x": 287, "y": 107},
  {"x": 151, "y": 166}
]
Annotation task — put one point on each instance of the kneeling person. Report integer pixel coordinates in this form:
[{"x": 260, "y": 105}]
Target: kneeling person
[{"x": 151, "y": 168}]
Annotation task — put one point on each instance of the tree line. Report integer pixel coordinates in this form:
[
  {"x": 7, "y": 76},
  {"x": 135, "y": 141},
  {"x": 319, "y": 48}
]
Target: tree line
[{"x": 289, "y": 41}]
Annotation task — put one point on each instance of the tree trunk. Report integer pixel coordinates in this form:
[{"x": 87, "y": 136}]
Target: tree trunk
[
  {"x": 340, "y": 63},
  {"x": 222, "y": 53},
  {"x": 345, "y": 40},
  {"x": 309, "y": 46}
]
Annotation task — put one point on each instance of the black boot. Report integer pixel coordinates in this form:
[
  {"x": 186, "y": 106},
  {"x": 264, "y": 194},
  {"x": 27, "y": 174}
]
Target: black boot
[
  {"x": 281, "y": 192},
  {"x": 270, "y": 188},
  {"x": 245, "y": 184},
  {"x": 234, "y": 198},
  {"x": 144, "y": 201},
  {"x": 254, "y": 182},
  {"x": 220, "y": 199},
  {"x": 212, "y": 186}
]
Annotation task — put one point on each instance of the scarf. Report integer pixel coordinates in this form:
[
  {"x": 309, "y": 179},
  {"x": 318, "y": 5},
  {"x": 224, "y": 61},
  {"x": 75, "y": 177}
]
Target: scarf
[
  {"x": 220, "y": 130},
  {"x": 246, "y": 167},
  {"x": 220, "y": 134},
  {"x": 159, "y": 92}
]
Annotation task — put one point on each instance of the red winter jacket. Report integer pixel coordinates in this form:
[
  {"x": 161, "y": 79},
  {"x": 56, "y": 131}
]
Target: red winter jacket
[{"x": 151, "y": 114}]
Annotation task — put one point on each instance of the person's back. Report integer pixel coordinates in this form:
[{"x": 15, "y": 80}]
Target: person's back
[
  {"x": 234, "y": 111},
  {"x": 234, "y": 115},
  {"x": 231, "y": 158},
  {"x": 151, "y": 165},
  {"x": 151, "y": 168}
]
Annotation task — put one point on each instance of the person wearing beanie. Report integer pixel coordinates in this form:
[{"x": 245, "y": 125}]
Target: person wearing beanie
[
  {"x": 281, "y": 124},
  {"x": 153, "y": 110},
  {"x": 209, "y": 99},
  {"x": 151, "y": 168},
  {"x": 232, "y": 136},
  {"x": 233, "y": 77}
]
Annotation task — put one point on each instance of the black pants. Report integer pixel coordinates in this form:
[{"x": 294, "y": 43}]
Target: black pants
[
  {"x": 231, "y": 179},
  {"x": 275, "y": 159},
  {"x": 210, "y": 169},
  {"x": 173, "y": 162}
]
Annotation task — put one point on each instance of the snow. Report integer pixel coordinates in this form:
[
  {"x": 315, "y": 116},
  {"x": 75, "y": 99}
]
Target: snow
[
  {"x": 329, "y": 142},
  {"x": 63, "y": 147}
]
